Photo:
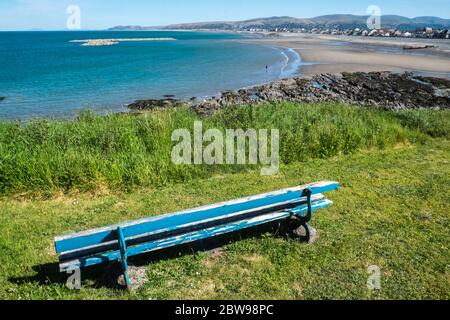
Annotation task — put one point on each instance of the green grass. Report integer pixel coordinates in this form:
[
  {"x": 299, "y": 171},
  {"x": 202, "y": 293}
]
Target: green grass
[
  {"x": 392, "y": 210},
  {"x": 122, "y": 152}
]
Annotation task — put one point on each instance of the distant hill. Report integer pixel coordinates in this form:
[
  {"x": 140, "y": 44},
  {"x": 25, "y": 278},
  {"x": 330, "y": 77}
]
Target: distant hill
[
  {"x": 261, "y": 23},
  {"x": 339, "y": 21},
  {"x": 387, "y": 21},
  {"x": 132, "y": 28}
]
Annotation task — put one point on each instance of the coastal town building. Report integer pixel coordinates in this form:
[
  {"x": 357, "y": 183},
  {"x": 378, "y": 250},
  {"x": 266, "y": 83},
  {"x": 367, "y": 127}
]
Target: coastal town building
[{"x": 426, "y": 32}]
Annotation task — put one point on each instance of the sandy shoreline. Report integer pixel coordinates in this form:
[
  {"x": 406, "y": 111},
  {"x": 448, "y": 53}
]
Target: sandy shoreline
[
  {"x": 336, "y": 69},
  {"x": 336, "y": 54}
]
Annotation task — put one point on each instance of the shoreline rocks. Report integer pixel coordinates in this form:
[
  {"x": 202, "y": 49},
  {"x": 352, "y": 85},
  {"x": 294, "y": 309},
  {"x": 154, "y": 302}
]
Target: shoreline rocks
[
  {"x": 99, "y": 43},
  {"x": 418, "y": 47},
  {"x": 386, "y": 90},
  {"x": 152, "y": 104}
]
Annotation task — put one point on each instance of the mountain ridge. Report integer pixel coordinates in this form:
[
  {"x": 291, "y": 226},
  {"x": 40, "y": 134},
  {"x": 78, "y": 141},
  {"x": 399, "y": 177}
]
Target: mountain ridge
[{"x": 341, "y": 21}]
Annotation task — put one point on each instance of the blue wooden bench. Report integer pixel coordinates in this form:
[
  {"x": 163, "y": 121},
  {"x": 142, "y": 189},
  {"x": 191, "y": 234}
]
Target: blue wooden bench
[{"x": 118, "y": 242}]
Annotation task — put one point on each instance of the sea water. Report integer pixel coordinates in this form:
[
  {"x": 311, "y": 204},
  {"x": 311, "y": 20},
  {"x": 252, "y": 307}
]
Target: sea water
[{"x": 43, "y": 74}]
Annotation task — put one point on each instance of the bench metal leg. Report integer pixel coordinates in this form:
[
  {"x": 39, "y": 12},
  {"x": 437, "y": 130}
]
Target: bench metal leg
[
  {"x": 311, "y": 233},
  {"x": 303, "y": 231},
  {"x": 123, "y": 256},
  {"x": 308, "y": 232},
  {"x": 308, "y": 194}
]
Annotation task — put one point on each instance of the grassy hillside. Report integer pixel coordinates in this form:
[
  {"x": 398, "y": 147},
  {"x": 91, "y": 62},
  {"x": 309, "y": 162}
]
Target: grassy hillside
[
  {"x": 392, "y": 209},
  {"x": 122, "y": 152}
]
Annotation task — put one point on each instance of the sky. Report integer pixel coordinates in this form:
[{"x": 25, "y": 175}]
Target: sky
[{"x": 101, "y": 14}]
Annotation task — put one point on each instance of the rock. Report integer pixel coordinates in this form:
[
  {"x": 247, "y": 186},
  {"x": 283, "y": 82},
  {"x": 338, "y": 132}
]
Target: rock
[
  {"x": 138, "y": 277},
  {"x": 207, "y": 107},
  {"x": 418, "y": 47},
  {"x": 438, "y": 82},
  {"x": 151, "y": 104},
  {"x": 2, "y": 98},
  {"x": 113, "y": 277},
  {"x": 113, "y": 42}
]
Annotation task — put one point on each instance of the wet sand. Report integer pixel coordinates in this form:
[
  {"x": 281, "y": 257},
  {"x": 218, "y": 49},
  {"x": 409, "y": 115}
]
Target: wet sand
[{"x": 336, "y": 54}]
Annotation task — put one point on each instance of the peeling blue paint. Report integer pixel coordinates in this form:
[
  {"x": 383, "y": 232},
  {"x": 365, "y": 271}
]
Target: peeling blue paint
[{"x": 118, "y": 242}]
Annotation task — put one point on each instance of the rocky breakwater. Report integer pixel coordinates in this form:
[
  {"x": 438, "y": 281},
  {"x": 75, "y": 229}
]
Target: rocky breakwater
[
  {"x": 113, "y": 42},
  {"x": 384, "y": 90}
]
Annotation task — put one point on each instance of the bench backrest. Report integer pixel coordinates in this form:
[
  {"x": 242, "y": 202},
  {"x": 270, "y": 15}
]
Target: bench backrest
[{"x": 104, "y": 239}]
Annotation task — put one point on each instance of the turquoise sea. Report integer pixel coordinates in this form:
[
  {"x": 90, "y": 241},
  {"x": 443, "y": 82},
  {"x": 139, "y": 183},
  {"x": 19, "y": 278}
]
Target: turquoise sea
[{"x": 42, "y": 74}]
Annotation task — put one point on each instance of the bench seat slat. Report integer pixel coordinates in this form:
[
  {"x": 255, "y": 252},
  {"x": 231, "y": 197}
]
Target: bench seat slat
[
  {"x": 191, "y": 237},
  {"x": 160, "y": 224}
]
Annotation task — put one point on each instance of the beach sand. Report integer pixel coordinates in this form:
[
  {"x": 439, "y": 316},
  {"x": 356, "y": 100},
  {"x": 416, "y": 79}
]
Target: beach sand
[{"x": 336, "y": 54}]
